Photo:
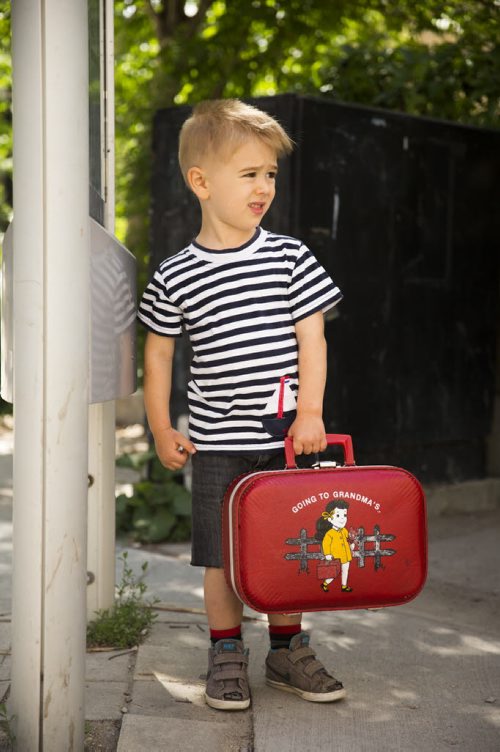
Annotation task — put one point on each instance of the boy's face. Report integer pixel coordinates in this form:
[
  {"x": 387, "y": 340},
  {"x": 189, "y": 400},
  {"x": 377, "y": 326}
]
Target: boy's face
[{"x": 240, "y": 189}]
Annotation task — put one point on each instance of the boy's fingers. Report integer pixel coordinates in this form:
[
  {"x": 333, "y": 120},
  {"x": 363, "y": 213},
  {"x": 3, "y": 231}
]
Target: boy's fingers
[
  {"x": 176, "y": 463},
  {"x": 312, "y": 446},
  {"x": 184, "y": 445},
  {"x": 319, "y": 446}
]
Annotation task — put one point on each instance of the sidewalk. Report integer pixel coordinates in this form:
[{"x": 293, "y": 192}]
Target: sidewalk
[{"x": 424, "y": 676}]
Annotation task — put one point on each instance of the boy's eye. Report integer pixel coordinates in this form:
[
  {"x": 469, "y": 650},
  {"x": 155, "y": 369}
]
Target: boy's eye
[{"x": 271, "y": 175}]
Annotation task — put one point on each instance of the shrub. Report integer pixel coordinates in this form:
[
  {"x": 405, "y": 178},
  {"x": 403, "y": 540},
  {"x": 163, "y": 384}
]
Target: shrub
[{"x": 160, "y": 508}]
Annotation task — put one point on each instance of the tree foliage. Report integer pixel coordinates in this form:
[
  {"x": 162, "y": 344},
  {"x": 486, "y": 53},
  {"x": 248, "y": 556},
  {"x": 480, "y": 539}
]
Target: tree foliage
[
  {"x": 434, "y": 59},
  {"x": 438, "y": 59},
  {"x": 5, "y": 119}
]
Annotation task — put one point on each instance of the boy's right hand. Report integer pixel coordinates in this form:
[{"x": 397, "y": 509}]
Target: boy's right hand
[{"x": 173, "y": 448}]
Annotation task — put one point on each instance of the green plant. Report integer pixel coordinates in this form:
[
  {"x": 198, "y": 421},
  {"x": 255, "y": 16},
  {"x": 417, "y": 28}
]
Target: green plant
[
  {"x": 160, "y": 508},
  {"x": 6, "y": 721},
  {"x": 129, "y": 620}
]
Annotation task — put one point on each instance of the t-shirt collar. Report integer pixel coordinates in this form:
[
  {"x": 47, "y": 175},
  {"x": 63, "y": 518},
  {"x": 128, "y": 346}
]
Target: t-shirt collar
[{"x": 230, "y": 254}]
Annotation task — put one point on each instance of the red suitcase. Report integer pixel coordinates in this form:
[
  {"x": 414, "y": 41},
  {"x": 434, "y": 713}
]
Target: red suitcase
[{"x": 332, "y": 537}]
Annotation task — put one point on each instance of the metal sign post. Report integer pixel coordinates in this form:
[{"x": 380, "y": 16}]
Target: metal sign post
[
  {"x": 101, "y": 493},
  {"x": 113, "y": 304}
]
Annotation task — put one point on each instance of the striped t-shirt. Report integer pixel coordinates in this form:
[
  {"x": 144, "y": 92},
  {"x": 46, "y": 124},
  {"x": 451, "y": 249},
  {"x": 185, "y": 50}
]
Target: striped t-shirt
[{"x": 239, "y": 308}]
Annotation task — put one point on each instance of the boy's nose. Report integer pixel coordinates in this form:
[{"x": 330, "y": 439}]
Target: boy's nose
[{"x": 264, "y": 186}]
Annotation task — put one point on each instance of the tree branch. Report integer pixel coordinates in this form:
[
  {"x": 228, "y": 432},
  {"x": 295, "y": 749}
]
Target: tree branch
[
  {"x": 194, "y": 23},
  {"x": 171, "y": 17},
  {"x": 154, "y": 16},
  {"x": 150, "y": 11}
]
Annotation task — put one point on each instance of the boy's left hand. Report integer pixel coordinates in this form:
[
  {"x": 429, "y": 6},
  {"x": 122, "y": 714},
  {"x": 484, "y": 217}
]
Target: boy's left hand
[{"x": 308, "y": 433}]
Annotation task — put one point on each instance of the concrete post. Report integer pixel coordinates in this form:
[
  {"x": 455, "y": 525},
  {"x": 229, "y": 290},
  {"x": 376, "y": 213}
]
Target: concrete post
[{"x": 51, "y": 332}]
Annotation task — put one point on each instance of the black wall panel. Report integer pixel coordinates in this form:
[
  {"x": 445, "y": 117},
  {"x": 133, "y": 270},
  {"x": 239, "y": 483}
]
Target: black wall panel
[{"x": 403, "y": 213}]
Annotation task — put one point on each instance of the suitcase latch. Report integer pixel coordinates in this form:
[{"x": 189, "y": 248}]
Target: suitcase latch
[{"x": 327, "y": 463}]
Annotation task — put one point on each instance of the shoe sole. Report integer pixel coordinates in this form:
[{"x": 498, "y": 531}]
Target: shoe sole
[
  {"x": 213, "y": 702},
  {"x": 338, "y": 694}
]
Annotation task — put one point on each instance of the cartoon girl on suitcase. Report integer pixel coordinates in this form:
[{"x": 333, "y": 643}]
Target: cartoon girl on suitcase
[{"x": 332, "y": 532}]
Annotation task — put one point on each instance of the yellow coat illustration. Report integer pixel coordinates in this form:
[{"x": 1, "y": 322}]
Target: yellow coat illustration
[{"x": 335, "y": 543}]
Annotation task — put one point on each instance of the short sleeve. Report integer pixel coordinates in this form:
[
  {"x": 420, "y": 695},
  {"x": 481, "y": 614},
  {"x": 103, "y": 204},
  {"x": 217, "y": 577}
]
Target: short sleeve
[
  {"x": 311, "y": 288},
  {"x": 156, "y": 310}
]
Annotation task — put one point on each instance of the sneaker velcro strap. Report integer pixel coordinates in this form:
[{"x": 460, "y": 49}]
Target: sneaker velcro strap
[
  {"x": 297, "y": 655},
  {"x": 313, "y": 667},
  {"x": 227, "y": 674},
  {"x": 240, "y": 658}
]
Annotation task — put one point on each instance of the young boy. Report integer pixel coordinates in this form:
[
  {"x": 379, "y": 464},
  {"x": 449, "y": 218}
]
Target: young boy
[{"x": 252, "y": 303}]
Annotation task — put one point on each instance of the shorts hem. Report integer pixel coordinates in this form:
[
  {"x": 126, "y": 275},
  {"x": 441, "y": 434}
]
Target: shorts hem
[{"x": 206, "y": 566}]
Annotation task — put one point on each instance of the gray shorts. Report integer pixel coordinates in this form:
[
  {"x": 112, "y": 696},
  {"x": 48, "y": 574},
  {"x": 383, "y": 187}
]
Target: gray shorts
[{"x": 212, "y": 474}]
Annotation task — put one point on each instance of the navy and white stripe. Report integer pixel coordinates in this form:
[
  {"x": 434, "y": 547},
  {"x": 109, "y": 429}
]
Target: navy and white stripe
[{"x": 239, "y": 308}]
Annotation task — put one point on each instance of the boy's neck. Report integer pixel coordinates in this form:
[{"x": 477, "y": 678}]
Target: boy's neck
[{"x": 218, "y": 239}]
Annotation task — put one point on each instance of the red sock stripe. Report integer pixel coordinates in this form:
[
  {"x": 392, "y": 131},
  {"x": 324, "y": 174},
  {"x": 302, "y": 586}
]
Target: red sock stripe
[
  {"x": 222, "y": 634},
  {"x": 286, "y": 629}
]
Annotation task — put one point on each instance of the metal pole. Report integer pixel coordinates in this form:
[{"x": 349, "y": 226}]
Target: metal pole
[
  {"x": 101, "y": 508},
  {"x": 51, "y": 330},
  {"x": 101, "y": 501}
]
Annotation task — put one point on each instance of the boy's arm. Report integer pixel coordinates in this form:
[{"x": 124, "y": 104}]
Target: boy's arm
[
  {"x": 308, "y": 430},
  {"x": 158, "y": 357}
]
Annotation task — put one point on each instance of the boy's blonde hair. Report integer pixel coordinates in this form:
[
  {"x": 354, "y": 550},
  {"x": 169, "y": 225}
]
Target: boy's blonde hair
[{"x": 221, "y": 126}]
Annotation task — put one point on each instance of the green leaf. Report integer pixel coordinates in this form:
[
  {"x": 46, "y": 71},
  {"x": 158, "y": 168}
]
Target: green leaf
[
  {"x": 161, "y": 525},
  {"x": 182, "y": 531},
  {"x": 153, "y": 526},
  {"x": 123, "y": 513},
  {"x": 135, "y": 460},
  {"x": 159, "y": 474}
]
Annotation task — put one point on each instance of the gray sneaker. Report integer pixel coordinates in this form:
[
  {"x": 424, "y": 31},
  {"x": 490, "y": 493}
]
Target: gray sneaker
[
  {"x": 227, "y": 679},
  {"x": 298, "y": 670}
]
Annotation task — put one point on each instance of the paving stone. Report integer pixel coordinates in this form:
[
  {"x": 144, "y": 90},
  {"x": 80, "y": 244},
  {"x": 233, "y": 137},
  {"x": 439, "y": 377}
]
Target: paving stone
[
  {"x": 141, "y": 733},
  {"x": 164, "y": 632},
  {"x": 175, "y": 614},
  {"x": 109, "y": 666},
  {"x": 184, "y": 659},
  {"x": 173, "y": 550},
  {"x": 167, "y": 578},
  {"x": 104, "y": 700},
  {"x": 162, "y": 697}
]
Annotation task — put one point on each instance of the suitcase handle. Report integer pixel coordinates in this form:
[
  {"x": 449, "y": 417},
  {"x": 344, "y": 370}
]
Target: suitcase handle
[{"x": 332, "y": 438}]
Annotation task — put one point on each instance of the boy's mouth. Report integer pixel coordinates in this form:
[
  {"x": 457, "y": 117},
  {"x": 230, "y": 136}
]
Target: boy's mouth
[{"x": 257, "y": 207}]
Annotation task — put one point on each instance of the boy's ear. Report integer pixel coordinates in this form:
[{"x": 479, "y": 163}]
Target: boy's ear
[{"x": 197, "y": 181}]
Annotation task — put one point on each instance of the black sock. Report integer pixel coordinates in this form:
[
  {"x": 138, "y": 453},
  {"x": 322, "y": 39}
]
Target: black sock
[{"x": 280, "y": 637}]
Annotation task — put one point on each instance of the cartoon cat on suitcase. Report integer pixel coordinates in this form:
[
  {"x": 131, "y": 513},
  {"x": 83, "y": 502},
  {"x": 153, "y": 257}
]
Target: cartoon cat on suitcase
[{"x": 338, "y": 545}]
